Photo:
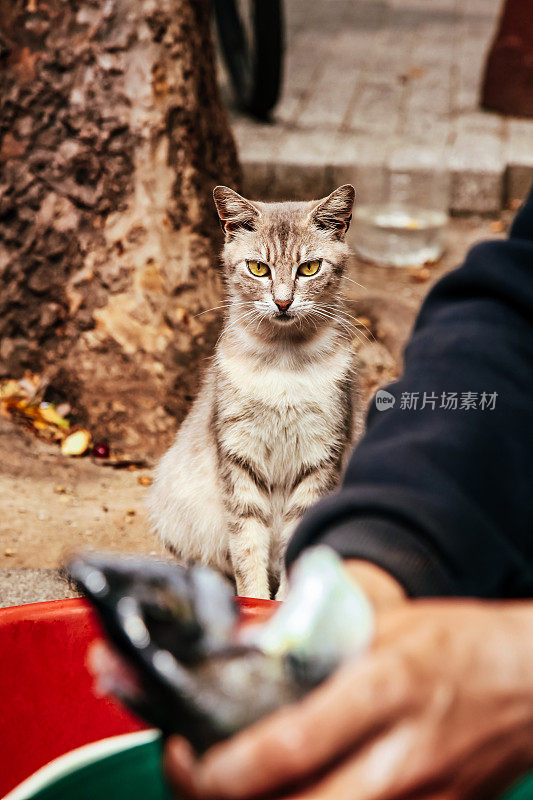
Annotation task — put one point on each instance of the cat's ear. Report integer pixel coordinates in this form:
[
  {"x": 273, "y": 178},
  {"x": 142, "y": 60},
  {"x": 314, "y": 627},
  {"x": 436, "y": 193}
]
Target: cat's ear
[
  {"x": 235, "y": 212},
  {"x": 334, "y": 213}
]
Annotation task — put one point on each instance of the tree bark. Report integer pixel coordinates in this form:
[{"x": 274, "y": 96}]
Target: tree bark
[{"x": 112, "y": 136}]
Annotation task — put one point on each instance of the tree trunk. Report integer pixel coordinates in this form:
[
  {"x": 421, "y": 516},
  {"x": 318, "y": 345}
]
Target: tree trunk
[{"x": 112, "y": 136}]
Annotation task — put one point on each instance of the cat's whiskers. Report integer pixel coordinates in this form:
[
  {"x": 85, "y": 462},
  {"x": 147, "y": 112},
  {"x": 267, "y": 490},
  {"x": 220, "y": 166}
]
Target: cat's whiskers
[
  {"x": 346, "y": 278},
  {"x": 336, "y": 315},
  {"x": 300, "y": 321},
  {"x": 354, "y": 331},
  {"x": 356, "y": 321},
  {"x": 357, "y": 326},
  {"x": 239, "y": 320},
  {"x": 264, "y": 311},
  {"x": 225, "y": 304},
  {"x": 330, "y": 318},
  {"x": 257, "y": 316},
  {"x": 310, "y": 310},
  {"x": 334, "y": 311},
  {"x": 347, "y": 330},
  {"x": 234, "y": 324},
  {"x": 262, "y": 317}
]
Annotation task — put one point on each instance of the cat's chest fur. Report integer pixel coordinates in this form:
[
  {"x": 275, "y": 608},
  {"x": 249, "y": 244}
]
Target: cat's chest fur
[{"x": 283, "y": 419}]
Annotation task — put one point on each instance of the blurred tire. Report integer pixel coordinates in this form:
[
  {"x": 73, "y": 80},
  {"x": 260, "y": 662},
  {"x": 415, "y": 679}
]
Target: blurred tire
[{"x": 251, "y": 40}]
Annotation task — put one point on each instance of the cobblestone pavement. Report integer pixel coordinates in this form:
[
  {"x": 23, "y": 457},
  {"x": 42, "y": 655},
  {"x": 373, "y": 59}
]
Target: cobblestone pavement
[{"x": 372, "y": 88}]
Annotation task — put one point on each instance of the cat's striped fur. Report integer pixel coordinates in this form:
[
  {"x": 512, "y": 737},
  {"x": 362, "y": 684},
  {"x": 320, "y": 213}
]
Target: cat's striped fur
[{"x": 270, "y": 429}]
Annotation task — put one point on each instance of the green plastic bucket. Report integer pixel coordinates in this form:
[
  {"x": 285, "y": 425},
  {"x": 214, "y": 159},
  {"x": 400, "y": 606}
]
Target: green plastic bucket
[
  {"x": 126, "y": 767},
  {"x": 521, "y": 790}
]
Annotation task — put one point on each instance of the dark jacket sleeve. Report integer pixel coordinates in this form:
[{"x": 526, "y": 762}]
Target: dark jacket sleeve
[{"x": 442, "y": 496}]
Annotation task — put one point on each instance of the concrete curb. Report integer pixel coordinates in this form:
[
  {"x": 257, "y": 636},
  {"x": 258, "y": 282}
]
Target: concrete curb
[
  {"x": 482, "y": 177},
  {"x": 19, "y": 586}
]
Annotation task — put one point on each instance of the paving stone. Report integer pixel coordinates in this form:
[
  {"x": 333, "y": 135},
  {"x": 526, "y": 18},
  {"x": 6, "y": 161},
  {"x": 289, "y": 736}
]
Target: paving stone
[
  {"x": 480, "y": 121},
  {"x": 302, "y": 167},
  {"x": 304, "y": 60},
  {"x": 476, "y": 192},
  {"x": 300, "y": 181},
  {"x": 423, "y": 127},
  {"x": 329, "y": 98},
  {"x": 20, "y": 586},
  {"x": 434, "y": 46},
  {"x": 436, "y": 5},
  {"x": 518, "y": 181},
  {"x": 368, "y": 79},
  {"x": 258, "y": 180},
  {"x": 477, "y": 169},
  {"x": 481, "y": 8},
  {"x": 429, "y": 94},
  {"x": 363, "y": 163},
  {"x": 519, "y": 159},
  {"x": 259, "y": 150},
  {"x": 377, "y": 107}
]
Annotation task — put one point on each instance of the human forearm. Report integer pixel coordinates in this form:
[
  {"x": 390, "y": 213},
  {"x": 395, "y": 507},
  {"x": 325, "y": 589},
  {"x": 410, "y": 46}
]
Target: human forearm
[{"x": 437, "y": 494}]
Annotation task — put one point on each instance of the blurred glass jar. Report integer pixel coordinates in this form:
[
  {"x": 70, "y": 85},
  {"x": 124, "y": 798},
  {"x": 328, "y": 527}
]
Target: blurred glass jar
[{"x": 401, "y": 212}]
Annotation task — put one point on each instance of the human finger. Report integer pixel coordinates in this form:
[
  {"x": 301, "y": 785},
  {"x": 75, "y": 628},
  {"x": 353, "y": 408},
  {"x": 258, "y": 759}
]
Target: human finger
[
  {"x": 296, "y": 741},
  {"x": 178, "y": 764}
]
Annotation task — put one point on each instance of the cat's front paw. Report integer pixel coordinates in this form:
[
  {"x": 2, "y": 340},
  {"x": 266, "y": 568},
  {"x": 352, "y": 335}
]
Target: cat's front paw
[{"x": 283, "y": 588}]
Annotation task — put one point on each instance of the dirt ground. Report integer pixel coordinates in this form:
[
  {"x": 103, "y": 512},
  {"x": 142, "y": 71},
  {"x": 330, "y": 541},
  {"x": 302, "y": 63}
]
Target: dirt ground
[{"x": 52, "y": 504}]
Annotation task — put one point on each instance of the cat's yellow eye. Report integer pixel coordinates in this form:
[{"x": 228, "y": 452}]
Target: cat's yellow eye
[
  {"x": 258, "y": 269},
  {"x": 309, "y": 268}
]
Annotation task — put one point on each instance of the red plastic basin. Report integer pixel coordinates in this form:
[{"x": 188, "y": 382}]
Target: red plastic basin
[{"x": 47, "y": 704}]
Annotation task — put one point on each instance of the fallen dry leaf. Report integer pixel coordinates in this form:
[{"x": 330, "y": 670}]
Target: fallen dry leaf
[
  {"x": 76, "y": 444},
  {"x": 412, "y": 73},
  {"x": 21, "y": 401},
  {"x": 49, "y": 414}
]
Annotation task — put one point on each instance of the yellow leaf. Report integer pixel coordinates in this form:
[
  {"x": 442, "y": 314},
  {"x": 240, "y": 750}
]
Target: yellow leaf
[
  {"x": 39, "y": 425},
  {"x": 49, "y": 414},
  {"x": 9, "y": 388}
]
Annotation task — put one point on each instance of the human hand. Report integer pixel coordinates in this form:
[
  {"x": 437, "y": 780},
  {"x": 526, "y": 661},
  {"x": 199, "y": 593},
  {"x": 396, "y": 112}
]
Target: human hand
[
  {"x": 442, "y": 707},
  {"x": 380, "y": 587}
]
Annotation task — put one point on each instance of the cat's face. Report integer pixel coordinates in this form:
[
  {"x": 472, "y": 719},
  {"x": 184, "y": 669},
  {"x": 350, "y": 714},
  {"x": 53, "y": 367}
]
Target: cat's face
[{"x": 284, "y": 261}]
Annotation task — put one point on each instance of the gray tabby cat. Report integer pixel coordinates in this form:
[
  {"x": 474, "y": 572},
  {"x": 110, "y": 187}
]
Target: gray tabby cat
[{"x": 275, "y": 418}]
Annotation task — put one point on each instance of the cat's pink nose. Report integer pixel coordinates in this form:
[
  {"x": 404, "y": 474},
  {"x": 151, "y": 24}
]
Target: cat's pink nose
[{"x": 283, "y": 304}]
